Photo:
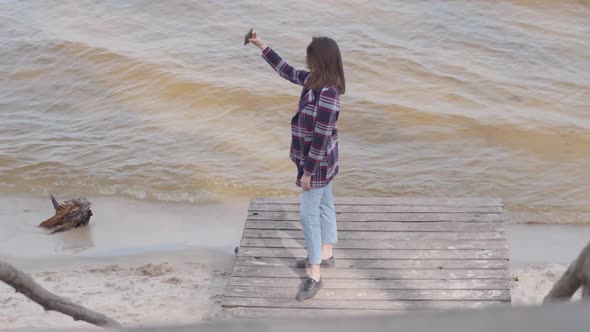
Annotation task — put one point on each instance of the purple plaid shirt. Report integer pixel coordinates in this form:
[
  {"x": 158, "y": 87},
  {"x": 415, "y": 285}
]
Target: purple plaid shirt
[{"x": 314, "y": 141}]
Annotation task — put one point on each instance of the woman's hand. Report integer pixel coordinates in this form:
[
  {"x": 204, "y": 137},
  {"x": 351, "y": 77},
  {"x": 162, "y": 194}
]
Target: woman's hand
[
  {"x": 256, "y": 40},
  {"x": 306, "y": 182}
]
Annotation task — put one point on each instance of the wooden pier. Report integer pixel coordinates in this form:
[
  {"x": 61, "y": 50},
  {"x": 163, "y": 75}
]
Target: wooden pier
[{"x": 393, "y": 255}]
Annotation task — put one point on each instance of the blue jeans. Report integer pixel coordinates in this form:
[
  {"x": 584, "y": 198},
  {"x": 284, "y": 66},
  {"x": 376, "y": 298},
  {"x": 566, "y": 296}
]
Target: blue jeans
[{"x": 318, "y": 220}]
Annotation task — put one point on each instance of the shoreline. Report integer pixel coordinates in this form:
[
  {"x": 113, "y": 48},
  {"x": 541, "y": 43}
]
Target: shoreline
[
  {"x": 142, "y": 263},
  {"x": 120, "y": 227},
  {"x": 124, "y": 227}
]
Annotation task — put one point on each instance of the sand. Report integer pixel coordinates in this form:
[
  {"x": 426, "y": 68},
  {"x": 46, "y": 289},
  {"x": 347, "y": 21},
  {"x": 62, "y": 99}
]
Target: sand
[
  {"x": 175, "y": 288},
  {"x": 530, "y": 284},
  {"x": 140, "y": 262}
]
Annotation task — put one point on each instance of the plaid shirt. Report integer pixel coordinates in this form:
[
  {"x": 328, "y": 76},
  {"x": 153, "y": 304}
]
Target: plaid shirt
[{"x": 314, "y": 140}]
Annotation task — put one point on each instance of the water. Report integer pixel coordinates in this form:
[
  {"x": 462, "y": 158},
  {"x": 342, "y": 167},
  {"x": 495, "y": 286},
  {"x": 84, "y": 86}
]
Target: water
[
  {"x": 161, "y": 101},
  {"x": 121, "y": 227}
]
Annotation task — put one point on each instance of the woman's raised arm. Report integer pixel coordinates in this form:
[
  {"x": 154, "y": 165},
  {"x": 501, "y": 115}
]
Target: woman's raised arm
[{"x": 277, "y": 63}]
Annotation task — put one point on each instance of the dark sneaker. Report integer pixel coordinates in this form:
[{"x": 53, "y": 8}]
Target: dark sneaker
[
  {"x": 326, "y": 263},
  {"x": 308, "y": 290}
]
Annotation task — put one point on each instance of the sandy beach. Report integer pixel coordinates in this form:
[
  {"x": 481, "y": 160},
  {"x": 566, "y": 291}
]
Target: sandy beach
[
  {"x": 130, "y": 267},
  {"x": 175, "y": 288},
  {"x": 139, "y": 262},
  {"x": 165, "y": 288}
]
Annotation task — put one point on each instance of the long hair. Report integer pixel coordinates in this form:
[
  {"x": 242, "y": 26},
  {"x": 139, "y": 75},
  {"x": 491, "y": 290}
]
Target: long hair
[{"x": 325, "y": 63}]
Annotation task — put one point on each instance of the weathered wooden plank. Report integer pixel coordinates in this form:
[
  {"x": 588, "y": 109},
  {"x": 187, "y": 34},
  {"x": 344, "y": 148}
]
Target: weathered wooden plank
[
  {"x": 280, "y": 272},
  {"x": 382, "y": 244},
  {"x": 368, "y": 305},
  {"x": 373, "y": 294},
  {"x": 385, "y": 226},
  {"x": 383, "y": 208},
  {"x": 411, "y": 264},
  {"x": 390, "y": 201},
  {"x": 380, "y": 254},
  {"x": 489, "y": 284},
  {"x": 362, "y": 235},
  {"x": 394, "y": 254},
  {"x": 376, "y": 217},
  {"x": 281, "y": 313}
]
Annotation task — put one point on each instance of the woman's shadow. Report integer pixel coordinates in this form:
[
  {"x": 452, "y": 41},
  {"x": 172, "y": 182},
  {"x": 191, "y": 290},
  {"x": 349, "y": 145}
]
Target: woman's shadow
[{"x": 286, "y": 243}]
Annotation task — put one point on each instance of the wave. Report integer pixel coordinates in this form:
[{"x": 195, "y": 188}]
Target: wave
[{"x": 153, "y": 102}]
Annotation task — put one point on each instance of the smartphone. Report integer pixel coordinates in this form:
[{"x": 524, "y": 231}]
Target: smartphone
[{"x": 248, "y": 36}]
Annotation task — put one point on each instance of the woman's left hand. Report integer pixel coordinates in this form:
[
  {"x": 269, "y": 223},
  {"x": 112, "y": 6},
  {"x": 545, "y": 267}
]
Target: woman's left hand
[{"x": 306, "y": 182}]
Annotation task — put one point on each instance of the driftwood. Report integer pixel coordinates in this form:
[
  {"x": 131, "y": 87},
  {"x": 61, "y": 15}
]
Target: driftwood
[
  {"x": 69, "y": 214},
  {"x": 25, "y": 285},
  {"x": 576, "y": 276}
]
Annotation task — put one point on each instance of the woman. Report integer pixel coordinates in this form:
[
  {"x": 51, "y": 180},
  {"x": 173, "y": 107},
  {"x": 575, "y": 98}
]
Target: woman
[{"x": 314, "y": 149}]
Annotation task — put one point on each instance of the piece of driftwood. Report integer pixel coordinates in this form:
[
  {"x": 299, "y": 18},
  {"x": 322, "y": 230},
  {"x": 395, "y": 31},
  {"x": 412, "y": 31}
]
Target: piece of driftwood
[
  {"x": 69, "y": 214},
  {"x": 25, "y": 285},
  {"x": 577, "y": 275}
]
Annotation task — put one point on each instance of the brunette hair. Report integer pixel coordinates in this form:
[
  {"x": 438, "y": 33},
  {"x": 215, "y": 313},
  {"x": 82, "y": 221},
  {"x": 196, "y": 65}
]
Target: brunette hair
[{"x": 325, "y": 63}]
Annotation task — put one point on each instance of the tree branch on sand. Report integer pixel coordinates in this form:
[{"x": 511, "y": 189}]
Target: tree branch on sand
[
  {"x": 24, "y": 284},
  {"x": 576, "y": 276},
  {"x": 69, "y": 214}
]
